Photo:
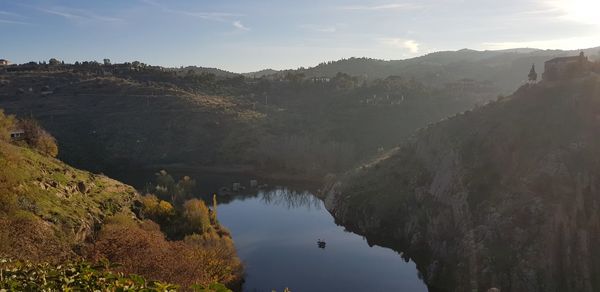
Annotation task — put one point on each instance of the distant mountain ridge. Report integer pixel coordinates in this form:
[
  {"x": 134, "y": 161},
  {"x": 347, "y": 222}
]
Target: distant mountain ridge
[
  {"x": 204, "y": 70},
  {"x": 506, "y": 68}
]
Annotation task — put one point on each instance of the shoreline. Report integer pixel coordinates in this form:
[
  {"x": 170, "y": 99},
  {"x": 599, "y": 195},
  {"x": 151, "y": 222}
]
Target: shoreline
[{"x": 246, "y": 170}]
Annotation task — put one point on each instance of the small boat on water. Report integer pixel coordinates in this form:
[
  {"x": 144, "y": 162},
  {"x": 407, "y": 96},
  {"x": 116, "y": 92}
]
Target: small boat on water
[{"x": 321, "y": 243}]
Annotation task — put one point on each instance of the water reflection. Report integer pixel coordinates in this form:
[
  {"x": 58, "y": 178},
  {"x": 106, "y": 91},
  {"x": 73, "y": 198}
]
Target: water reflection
[
  {"x": 275, "y": 234},
  {"x": 290, "y": 199}
]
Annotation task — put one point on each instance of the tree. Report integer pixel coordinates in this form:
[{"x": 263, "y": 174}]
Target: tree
[
  {"x": 6, "y": 123},
  {"x": 295, "y": 77},
  {"x": 106, "y": 62},
  {"x": 47, "y": 144},
  {"x": 54, "y": 62},
  {"x": 183, "y": 189},
  {"x": 532, "y": 74},
  {"x": 214, "y": 210},
  {"x": 156, "y": 209},
  {"x": 37, "y": 138},
  {"x": 165, "y": 184},
  {"x": 197, "y": 215}
]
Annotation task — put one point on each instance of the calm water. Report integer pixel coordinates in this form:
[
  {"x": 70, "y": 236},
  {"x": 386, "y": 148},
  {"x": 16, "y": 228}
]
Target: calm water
[{"x": 276, "y": 234}]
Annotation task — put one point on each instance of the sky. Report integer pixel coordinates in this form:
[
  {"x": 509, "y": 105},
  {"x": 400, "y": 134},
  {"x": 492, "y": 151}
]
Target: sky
[{"x": 245, "y": 36}]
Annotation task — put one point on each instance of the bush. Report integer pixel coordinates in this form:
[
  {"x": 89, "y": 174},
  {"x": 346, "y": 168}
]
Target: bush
[
  {"x": 156, "y": 209},
  {"x": 81, "y": 276},
  {"x": 25, "y": 236},
  {"x": 142, "y": 249},
  {"x": 37, "y": 138},
  {"x": 197, "y": 215}
]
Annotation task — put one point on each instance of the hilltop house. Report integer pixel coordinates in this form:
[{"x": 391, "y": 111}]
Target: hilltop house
[
  {"x": 566, "y": 67},
  {"x": 4, "y": 62},
  {"x": 321, "y": 79}
]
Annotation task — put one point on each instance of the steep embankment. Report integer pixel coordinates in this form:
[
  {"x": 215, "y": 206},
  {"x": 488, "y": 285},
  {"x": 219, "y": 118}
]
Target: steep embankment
[
  {"x": 52, "y": 212},
  {"x": 505, "y": 196},
  {"x": 49, "y": 209}
]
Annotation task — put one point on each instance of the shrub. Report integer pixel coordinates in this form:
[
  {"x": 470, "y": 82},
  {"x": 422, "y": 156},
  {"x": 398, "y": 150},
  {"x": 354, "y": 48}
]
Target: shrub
[
  {"x": 37, "y": 138},
  {"x": 156, "y": 209},
  {"x": 81, "y": 276},
  {"x": 142, "y": 249},
  {"x": 24, "y": 236},
  {"x": 197, "y": 215}
]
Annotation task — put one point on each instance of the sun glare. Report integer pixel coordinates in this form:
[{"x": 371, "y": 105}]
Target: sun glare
[{"x": 585, "y": 11}]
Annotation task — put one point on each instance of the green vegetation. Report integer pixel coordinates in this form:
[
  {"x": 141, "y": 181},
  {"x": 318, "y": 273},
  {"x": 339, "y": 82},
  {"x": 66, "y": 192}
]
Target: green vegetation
[
  {"x": 81, "y": 276},
  {"x": 6, "y": 123},
  {"x": 53, "y": 213},
  {"x": 109, "y": 118},
  {"x": 23, "y": 276}
]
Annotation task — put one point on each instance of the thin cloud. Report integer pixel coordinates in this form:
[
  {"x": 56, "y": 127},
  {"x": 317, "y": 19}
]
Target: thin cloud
[
  {"x": 239, "y": 25},
  {"x": 62, "y": 14},
  {"x": 79, "y": 15},
  {"x": 11, "y": 18},
  {"x": 213, "y": 16},
  {"x": 7, "y": 21},
  {"x": 10, "y": 14},
  {"x": 410, "y": 45},
  {"x": 389, "y": 6}
]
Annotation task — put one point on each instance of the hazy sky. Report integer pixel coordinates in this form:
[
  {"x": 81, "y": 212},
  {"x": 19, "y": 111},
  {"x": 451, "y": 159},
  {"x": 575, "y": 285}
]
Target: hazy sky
[{"x": 247, "y": 35}]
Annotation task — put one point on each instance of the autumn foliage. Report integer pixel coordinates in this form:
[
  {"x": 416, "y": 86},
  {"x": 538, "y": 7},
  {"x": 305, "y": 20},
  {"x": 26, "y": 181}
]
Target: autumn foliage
[
  {"x": 141, "y": 248},
  {"x": 37, "y": 138}
]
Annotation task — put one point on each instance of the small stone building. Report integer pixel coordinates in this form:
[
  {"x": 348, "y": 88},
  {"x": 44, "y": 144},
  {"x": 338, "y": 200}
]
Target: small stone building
[
  {"x": 17, "y": 134},
  {"x": 566, "y": 67}
]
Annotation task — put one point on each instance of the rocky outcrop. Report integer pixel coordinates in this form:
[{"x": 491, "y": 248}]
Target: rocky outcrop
[{"x": 505, "y": 196}]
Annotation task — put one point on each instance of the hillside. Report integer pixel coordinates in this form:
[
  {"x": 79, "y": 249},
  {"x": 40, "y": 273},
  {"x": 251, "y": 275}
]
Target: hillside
[
  {"x": 118, "y": 118},
  {"x": 106, "y": 122},
  {"x": 122, "y": 117},
  {"x": 504, "y": 68},
  {"x": 203, "y": 70},
  {"x": 50, "y": 208},
  {"x": 503, "y": 196},
  {"x": 53, "y": 213}
]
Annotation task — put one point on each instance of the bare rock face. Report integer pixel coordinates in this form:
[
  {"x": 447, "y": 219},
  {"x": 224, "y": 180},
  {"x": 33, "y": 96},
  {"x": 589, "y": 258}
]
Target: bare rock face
[{"x": 505, "y": 197}]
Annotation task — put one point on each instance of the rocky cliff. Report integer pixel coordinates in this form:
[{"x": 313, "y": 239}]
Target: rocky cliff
[{"x": 503, "y": 196}]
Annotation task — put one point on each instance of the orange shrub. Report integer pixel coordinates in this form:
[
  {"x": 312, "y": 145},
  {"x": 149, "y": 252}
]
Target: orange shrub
[{"x": 142, "y": 249}]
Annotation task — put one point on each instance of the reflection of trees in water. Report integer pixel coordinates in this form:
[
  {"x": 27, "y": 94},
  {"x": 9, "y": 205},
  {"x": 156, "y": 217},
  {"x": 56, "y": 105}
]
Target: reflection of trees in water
[{"x": 290, "y": 199}]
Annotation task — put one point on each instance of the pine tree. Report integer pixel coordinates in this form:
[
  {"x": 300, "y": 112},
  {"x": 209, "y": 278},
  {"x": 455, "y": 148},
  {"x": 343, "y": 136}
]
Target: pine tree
[{"x": 532, "y": 74}]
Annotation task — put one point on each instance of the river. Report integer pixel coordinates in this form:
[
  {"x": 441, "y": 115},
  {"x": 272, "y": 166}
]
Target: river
[{"x": 276, "y": 233}]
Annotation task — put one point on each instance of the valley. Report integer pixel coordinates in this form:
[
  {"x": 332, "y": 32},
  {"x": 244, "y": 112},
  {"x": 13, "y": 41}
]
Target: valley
[{"x": 452, "y": 185}]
